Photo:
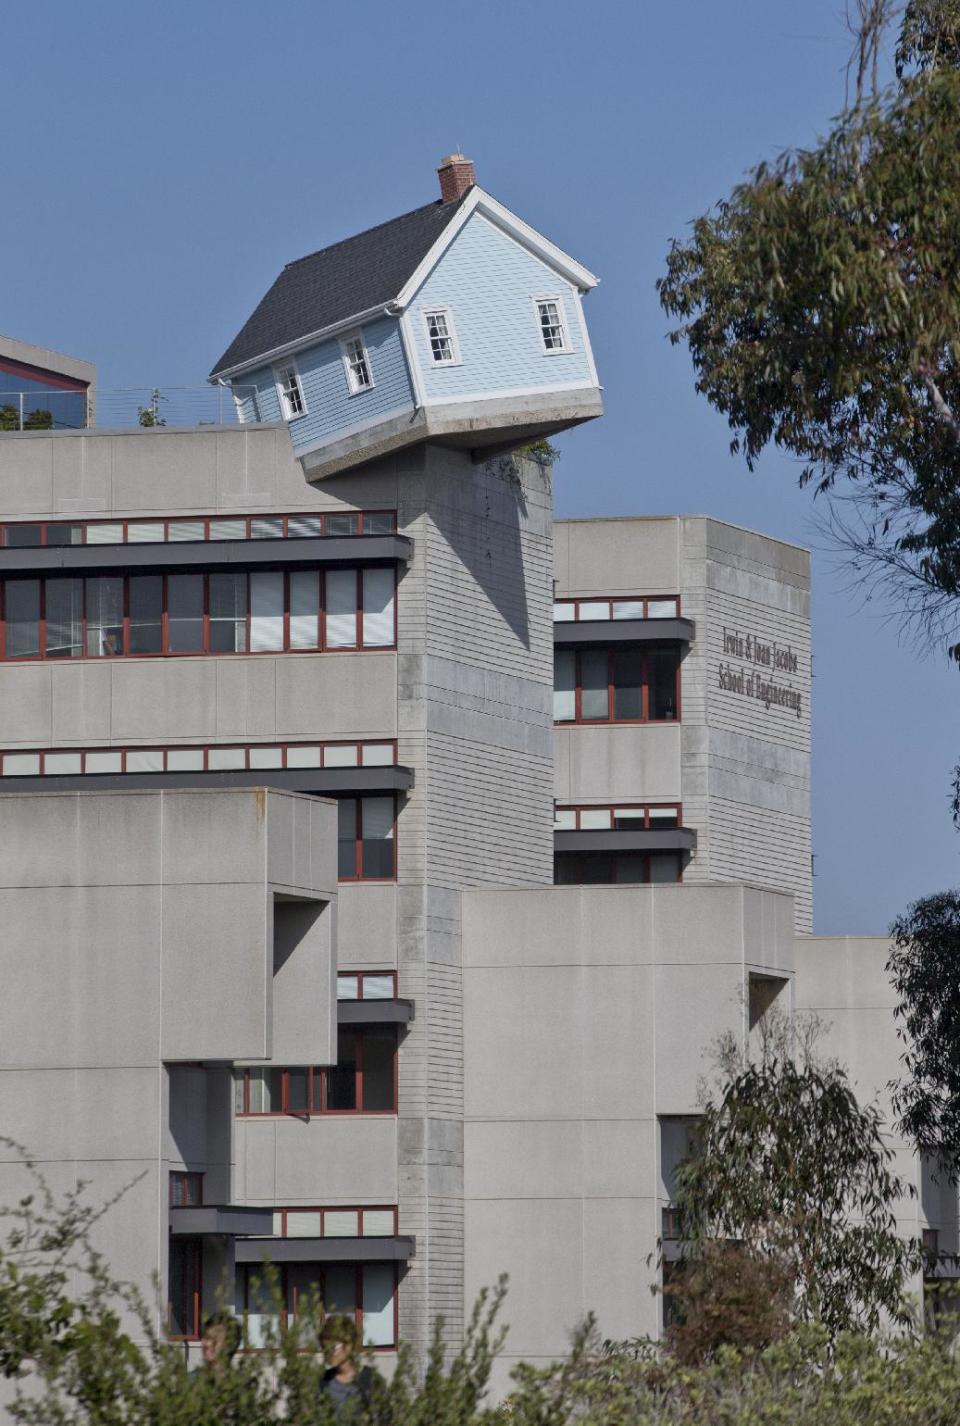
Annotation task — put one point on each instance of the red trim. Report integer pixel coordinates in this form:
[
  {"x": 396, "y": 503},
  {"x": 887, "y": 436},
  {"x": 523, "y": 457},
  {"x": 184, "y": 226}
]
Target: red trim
[
  {"x": 290, "y": 1296},
  {"x": 362, "y": 517},
  {"x": 192, "y": 1250},
  {"x": 361, "y": 975},
  {"x": 192, "y": 1183},
  {"x": 204, "y": 749},
  {"x": 644, "y": 654},
  {"x": 43, "y": 374},
  {"x": 610, "y": 599},
  {"x": 645, "y": 807},
  {"x": 317, "y": 1081},
  {"x": 358, "y": 861},
  {"x": 204, "y": 651}
]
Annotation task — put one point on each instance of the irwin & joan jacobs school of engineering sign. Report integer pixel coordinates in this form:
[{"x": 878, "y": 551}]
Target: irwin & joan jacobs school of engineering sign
[{"x": 768, "y": 659}]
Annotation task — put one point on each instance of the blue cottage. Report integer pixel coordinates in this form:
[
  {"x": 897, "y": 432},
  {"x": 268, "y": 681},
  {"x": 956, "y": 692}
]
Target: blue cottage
[{"x": 456, "y": 323}]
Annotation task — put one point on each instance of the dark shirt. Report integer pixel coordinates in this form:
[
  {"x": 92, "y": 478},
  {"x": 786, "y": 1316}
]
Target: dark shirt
[{"x": 343, "y": 1393}]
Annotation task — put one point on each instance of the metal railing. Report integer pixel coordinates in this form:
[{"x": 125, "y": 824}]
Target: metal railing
[{"x": 58, "y": 409}]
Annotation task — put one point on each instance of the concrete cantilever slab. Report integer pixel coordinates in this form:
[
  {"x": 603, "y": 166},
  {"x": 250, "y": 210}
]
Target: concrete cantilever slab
[
  {"x": 326, "y": 1250},
  {"x": 625, "y": 631},
  {"x": 204, "y": 554},
  {"x": 375, "y": 1012},
  {"x": 329, "y": 781},
  {"x": 224, "y": 1221},
  {"x": 643, "y": 839}
]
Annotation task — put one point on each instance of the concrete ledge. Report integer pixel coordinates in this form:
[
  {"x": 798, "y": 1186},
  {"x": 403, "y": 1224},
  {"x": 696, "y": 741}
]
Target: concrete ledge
[
  {"x": 205, "y": 554},
  {"x": 329, "y": 781},
  {"x": 643, "y": 839},
  {"x": 226, "y": 1221},
  {"x": 485, "y": 428},
  {"x": 374, "y": 1012},
  {"x": 325, "y": 1250},
  {"x": 623, "y": 631}
]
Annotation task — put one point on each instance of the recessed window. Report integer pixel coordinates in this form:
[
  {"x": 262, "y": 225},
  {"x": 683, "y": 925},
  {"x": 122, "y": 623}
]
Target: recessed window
[
  {"x": 183, "y": 1286},
  {"x": 553, "y": 330},
  {"x": 568, "y": 611},
  {"x": 366, "y": 1292},
  {"x": 622, "y": 868},
  {"x": 233, "y": 527},
  {"x": 265, "y": 611},
  {"x": 366, "y": 839},
  {"x": 638, "y": 817},
  {"x": 367, "y": 985},
  {"x": 356, "y": 363},
  {"x": 290, "y": 391},
  {"x": 186, "y": 1189},
  {"x": 441, "y": 336},
  {"x": 363, "y": 1081},
  {"x": 623, "y": 684},
  {"x": 91, "y": 761}
]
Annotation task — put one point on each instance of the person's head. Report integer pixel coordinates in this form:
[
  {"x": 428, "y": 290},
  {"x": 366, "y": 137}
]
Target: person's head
[
  {"x": 339, "y": 1339},
  {"x": 221, "y": 1338}
]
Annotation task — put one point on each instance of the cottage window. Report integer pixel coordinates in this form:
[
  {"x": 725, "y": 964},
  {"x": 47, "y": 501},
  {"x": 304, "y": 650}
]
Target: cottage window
[
  {"x": 442, "y": 337},
  {"x": 552, "y": 327},
  {"x": 290, "y": 392},
  {"x": 356, "y": 364}
]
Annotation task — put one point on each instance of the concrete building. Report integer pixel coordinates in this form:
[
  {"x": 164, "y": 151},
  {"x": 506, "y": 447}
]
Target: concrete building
[
  {"x": 570, "y": 768},
  {"x": 41, "y": 389}
]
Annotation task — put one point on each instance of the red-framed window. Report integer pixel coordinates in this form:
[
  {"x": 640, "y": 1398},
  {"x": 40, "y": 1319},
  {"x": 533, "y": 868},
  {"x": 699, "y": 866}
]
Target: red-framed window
[
  {"x": 623, "y": 868},
  {"x": 623, "y": 683},
  {"x": 623, "y": 817},
  {"x": 367, "y": 1292},
  {"x": 184, "y": 1277},
  {"x": 186, "y": 1189},
  {"x": 363, "y": 1081},
  {"x": 367, "y": 985},
  {"x": 367, "y": 838},
  {"x": 192, "y": 757},
  {"x": 605, "y": 609},
  {"x": 193, "y": 528},
  {"x": 339, "y": 1222},
  {"x": 267, "y": 611}
]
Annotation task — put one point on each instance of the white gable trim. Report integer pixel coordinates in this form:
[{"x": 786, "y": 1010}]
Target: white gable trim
[
  {"x": 312, "y": 339},
  {"x": 479, "y": 201}
]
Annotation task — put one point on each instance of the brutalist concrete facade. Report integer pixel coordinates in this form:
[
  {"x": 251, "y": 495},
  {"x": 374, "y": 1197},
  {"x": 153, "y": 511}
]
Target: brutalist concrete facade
[{"x": 548, "y": 1037}]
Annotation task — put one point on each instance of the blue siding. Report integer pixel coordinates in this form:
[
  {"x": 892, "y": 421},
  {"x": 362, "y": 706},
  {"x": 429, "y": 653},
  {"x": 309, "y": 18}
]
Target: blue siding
[
  {"x": 488, "y": 281},
  {"x": 331, "y": 410}
]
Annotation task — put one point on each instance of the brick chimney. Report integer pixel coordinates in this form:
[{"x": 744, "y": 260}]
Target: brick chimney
[{"x": 456, "y": 176}]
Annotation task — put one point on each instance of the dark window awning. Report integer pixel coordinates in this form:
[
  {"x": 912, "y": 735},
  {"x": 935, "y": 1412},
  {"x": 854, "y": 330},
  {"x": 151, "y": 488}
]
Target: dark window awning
[
  {"x": 374, "y": 1012},
  {"x": 624, "y": 631},
  {"x": 225, "y": 1221},
  {"x": 216, "y": 555},
  {"x": 643, "y": 839},
  {"x": 325, "y": 1250}
]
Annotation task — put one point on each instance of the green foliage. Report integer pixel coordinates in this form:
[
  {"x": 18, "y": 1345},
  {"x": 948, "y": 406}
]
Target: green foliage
[
  {"x": 929, "y": 36},
  {"x": 821, "y": 306},
  {"x": 789, "y": 1165},
  {"x": 9, "y": 418},
  {"x": 542, "y": 451},
  {"x": 39, "y": 420},
  {"x": 801, "y": 1381},
  {"x": 924, "y": 967}
]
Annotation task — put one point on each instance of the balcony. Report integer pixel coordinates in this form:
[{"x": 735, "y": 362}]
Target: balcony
[{"x": 67, "y": 408}]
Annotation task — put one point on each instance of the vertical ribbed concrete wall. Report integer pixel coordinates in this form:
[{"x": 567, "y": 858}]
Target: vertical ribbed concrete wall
[{"x": 474, "y": 689}]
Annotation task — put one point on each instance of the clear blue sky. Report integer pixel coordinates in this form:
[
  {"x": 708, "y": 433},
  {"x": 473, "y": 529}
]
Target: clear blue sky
[{"x": 161, "y": 162}]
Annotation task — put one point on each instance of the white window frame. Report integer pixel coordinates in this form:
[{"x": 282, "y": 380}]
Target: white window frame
[
  {"x": 437, "y": 309},
  {"x": 352, "y": 388},
  {"x": 565, "y": 325},
  {"x": 285, "y": 410}
]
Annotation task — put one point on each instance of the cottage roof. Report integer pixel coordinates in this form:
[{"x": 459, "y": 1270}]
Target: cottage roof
[{"x": 339, "y": 282}]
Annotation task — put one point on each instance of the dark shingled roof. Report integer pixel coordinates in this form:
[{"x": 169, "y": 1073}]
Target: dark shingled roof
[{"x": 336, "y": 283}]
